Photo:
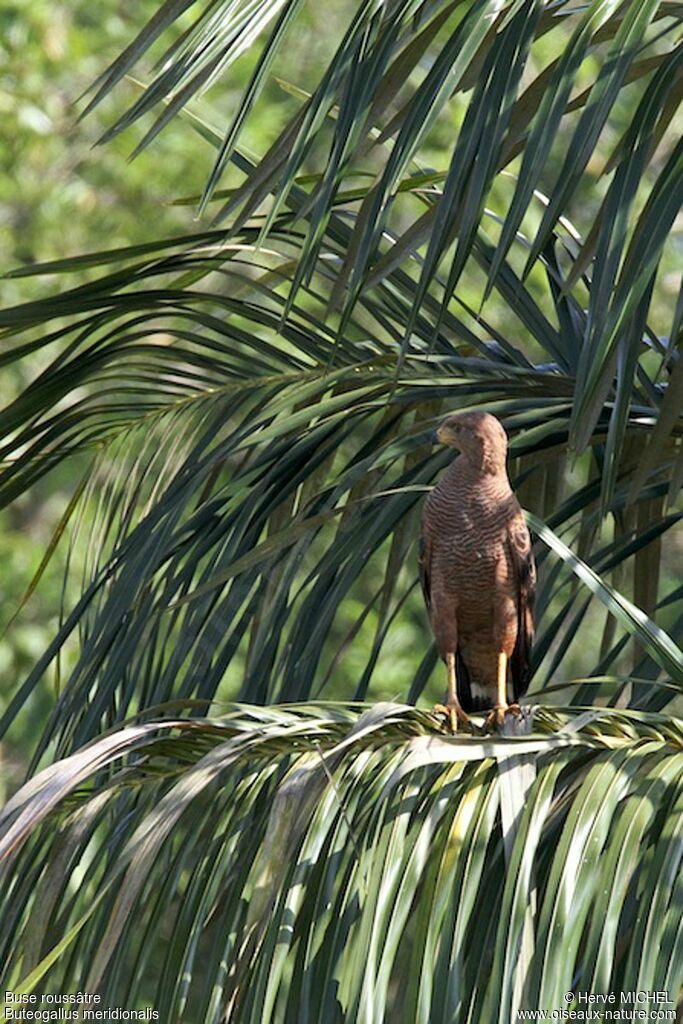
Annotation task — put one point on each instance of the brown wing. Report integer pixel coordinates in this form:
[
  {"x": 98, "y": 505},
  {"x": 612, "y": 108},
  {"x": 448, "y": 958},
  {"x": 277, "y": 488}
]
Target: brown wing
[
  {"x": 524, "y": 575},
  {"x": 424, "y": 563}
]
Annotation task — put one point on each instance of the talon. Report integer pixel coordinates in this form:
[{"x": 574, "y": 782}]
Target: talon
[
  {"x": 496, "y": 717},
  {"x": 456, "y": 717}
]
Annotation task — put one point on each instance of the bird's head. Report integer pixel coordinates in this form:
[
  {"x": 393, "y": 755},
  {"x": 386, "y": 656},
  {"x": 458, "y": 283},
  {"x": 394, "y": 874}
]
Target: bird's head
[{"x": 480, "y": 438}]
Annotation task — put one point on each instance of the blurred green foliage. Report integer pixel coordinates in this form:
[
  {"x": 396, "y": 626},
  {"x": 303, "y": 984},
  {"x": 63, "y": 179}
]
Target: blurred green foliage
[{"x": 60, "y": 195}]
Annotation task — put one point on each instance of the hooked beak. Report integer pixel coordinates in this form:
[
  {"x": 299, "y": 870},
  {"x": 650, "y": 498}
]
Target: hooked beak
[{"x": 435, "y": 436}]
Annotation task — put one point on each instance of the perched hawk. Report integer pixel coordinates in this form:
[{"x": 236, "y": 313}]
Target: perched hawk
[{"x": 478, "y": 573}]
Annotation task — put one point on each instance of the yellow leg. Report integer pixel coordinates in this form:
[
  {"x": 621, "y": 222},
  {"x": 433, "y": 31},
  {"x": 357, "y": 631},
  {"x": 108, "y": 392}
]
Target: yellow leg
[
  {"x": 496, "y": 718},
  {"x": 502, "y": 681},
  {"x": 452, "y": 681},
  {"x": 452, "y": 709}
]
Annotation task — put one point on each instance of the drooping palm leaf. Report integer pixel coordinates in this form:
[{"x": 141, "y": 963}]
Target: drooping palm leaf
[{"x": 421, "y": 57}]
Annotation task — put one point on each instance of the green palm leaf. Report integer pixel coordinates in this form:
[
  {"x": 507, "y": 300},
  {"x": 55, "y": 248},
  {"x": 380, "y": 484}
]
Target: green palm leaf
[{"x": 277, "y": 844}]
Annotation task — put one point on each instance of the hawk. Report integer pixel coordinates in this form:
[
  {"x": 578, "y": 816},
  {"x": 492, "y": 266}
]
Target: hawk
[{"x": 478, "y": 573}]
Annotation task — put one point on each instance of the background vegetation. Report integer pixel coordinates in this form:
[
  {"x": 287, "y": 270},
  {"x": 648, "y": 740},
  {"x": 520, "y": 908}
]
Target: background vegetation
[
  {"x": 218, "y": 430},
  {"x": 60, "y": 196}
]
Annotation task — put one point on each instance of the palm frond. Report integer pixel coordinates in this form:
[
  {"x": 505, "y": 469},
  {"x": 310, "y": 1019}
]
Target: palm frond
[
  {"x": 376, "y": 109},
  {"x": 349, "y": 860}
]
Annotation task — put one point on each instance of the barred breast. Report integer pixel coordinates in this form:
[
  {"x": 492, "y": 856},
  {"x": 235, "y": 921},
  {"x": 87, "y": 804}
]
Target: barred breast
[{"x": 472, "y": 584}]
